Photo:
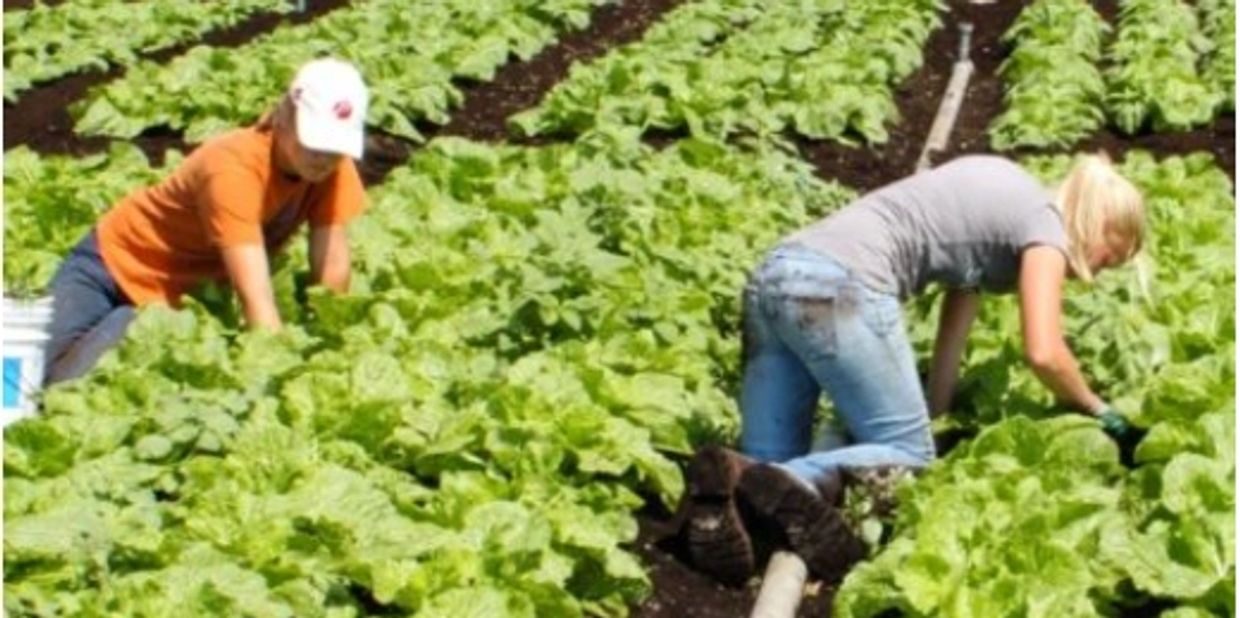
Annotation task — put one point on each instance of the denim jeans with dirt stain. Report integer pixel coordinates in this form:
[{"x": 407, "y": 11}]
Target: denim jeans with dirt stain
[
  {"x": 810, "y": 327},
  {"x": 90, "y": 313}
]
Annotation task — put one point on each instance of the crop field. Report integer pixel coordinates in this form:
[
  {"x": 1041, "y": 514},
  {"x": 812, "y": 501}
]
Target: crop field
[{"x": 565, "y": 198}]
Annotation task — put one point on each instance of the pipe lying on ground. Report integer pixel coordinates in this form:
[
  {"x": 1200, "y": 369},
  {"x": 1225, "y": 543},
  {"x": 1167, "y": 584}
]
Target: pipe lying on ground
[
  {"x": 782, "y": 587},
  {"x": 949, "y": 107}
]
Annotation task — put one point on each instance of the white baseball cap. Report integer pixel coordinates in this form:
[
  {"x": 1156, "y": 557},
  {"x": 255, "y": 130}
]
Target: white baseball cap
[{"x": 331, "y": 102}]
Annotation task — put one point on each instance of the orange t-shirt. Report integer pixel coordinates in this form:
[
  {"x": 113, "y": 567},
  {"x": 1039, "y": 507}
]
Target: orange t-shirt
[{"x": 162, "y": 241}]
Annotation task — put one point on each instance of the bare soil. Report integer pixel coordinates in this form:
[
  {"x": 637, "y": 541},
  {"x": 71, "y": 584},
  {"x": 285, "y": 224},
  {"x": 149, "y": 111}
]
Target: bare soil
[
  {"x": 868, "y": 167},
  {"x": 519, "y": 85},
  {"x": 984, "y": 100},
  {"x": 681, "y": 592}
]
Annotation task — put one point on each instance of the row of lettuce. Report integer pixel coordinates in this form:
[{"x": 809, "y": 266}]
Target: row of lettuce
[
  {"x": 722, "y": 67},
  {"x": 712, "y": 68},
  {"x": 532, "y": 334},
  {"x": 534, "y": 331},
  {"x": 1170, "y": 67},
  {"x": 716, "y": 67},
  {"x": 46, "y": 42},
  {"x": 414, "y": 57}
]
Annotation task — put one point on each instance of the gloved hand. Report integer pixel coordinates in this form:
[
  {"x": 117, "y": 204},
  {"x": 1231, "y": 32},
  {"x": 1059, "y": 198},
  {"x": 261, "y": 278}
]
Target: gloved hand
[
  {"x": 1115, "y": 425},
  {"x": 1125, "y": 435}
]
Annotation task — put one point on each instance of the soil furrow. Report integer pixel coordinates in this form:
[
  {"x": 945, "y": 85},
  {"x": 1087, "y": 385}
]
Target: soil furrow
[
  {"x": 40, "y": 118},
  {"x": 521, "y": 85},
  {"x": 984, "y": 102}
]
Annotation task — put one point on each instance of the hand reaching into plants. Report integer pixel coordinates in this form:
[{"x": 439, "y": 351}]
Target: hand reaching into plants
[
  {"x": 1125, "y": 434},
  {"x": 1115, "y": 424}
]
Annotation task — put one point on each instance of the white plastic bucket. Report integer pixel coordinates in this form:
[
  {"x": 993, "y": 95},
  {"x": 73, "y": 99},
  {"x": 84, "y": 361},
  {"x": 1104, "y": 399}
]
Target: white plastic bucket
[{"x": 24, "y": 340}]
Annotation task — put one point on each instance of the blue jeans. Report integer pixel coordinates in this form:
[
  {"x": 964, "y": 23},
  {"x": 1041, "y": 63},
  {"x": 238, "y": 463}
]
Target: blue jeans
[
  {"x": 90, "y": 313},
  {"x": 811, "y": 326}
]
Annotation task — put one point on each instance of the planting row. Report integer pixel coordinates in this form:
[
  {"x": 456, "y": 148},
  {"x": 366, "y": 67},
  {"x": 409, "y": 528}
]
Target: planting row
[
  {"x": 410, "y": 55},
  {"x": 1037, "y": 516},
  {"x": 715, "y": 67},
  {"x": 824, "y": 69},
  {"x": 46, "y": 42},
  {"x": 1172, "y": 68}
]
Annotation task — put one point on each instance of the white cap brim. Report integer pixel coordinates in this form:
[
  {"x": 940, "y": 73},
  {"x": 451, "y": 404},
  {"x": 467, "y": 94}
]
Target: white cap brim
[{"x": 328, "y": 135}]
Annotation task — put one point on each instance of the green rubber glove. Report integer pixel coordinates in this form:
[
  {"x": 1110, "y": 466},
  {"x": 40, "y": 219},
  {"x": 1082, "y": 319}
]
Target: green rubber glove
[{"x": 1115, "y": 425}]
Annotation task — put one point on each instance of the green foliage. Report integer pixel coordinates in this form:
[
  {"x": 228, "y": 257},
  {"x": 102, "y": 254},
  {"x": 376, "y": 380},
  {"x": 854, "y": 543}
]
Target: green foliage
[
  {"x": 46, "y": 42},
  {"x": 1055, "y": 91},
  {"x": 533, "y": 331},
  {"x": 409, "y": 53},
  {"x": 1218, "y": 24},
  {"x": 823, "y": 68},
  {"x": 1155, "y": 79},
  {"x": 1038, "y": 517},
  {"x": 50, "y": 203}
]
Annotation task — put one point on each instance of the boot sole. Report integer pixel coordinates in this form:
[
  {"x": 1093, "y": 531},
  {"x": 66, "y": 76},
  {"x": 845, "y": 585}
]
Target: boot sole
[
  {"x": 815, "y": 529},
  {"x": 718, "y": 542}
]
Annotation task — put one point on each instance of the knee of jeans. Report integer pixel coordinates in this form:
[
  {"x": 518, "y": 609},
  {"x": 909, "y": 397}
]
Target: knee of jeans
[
  {"x": 112, "y": 327},
  {"x": 919, "y": 456},
  {"x": 768, "y": 455}
]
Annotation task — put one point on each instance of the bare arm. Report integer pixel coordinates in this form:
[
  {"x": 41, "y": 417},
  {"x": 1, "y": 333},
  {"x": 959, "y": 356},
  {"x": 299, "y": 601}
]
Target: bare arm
[
  {"x": 1041, "y": 292},
  {"x": 329, "y": 258},
  {"x": 955, "y": 319},
  {"x": 247, "y": 268}
]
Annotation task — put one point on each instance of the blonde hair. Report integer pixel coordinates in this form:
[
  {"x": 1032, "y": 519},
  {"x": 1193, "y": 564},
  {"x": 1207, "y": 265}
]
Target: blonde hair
[{"x": 1099, "y": 206}]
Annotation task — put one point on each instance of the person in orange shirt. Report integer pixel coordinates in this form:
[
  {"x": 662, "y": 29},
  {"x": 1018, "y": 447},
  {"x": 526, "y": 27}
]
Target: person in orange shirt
[{"x": 218, "y": 217}]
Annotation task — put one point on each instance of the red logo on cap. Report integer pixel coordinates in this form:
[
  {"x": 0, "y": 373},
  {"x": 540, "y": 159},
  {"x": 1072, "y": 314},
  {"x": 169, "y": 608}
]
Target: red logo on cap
[{"x": 343, "y": 110}]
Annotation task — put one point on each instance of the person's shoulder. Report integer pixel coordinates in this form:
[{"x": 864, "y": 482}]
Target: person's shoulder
[
  {"x": 245, "y": 147},
  {"x": 988, "y": 162},
  {"x": 1000, "y": 172}
]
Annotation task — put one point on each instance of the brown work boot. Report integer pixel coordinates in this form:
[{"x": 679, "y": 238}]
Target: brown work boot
[
  {"x": 718, "y": 542},
  {"x": 815, "y": 528}
]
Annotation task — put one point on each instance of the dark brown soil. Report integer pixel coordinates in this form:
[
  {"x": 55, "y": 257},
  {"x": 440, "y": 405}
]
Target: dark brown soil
[
  {"x": 868, "y": 167},
  {"x": 14, "y": 5},
  {"x": 520, "y": 85},
  {"x": 40, "y": 118},
  {"x": 681, "y": 592},
  {"x": 984, "y": 98},
  {"x": 984, "y": 101}
]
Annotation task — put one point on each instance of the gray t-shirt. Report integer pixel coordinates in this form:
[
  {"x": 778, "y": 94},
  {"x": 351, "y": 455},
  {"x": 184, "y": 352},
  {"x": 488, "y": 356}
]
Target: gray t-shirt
[{"x": 963, "y": 224}]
